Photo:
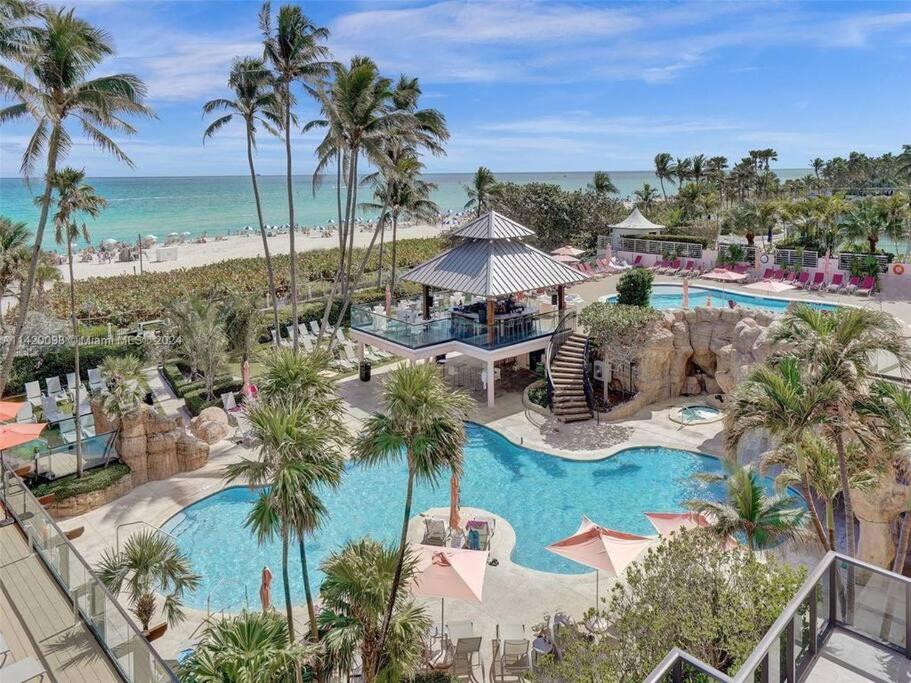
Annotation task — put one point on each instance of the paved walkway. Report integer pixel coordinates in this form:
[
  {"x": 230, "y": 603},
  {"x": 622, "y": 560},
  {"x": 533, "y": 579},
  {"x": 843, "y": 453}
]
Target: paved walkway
[{"x": 847, "y": 658}]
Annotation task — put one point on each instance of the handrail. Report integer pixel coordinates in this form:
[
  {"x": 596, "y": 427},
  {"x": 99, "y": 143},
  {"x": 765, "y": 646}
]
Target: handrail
[
  {"x": 97, "y": 584},
  {"x": 673, "y": 664},
  {"x": 586, "y": 380},
  {"x": 558, "y": 337},
  {"x": 139, "y": 521}
]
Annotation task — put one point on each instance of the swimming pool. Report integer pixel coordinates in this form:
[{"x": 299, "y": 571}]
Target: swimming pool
[
  {"x": 671, "y": 296},
  {"x": 542, "y": 497}
]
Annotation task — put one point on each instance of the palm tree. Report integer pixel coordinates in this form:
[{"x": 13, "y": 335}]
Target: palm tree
[
  {"x": 839, "y": 348},
  {"x": 817, "y": 165},
  {"x": 868, "y": 220},
  {"x": 697, "y": 167},
  {"x": 255, "y": 104},
  {"x": 56, "y": 88},
  {"x": 682, "y": 170},
  {"x": 14, "y": 253},
  {"x": 601, "y": 183},
  {"x": 74, "y": 196},
  {"x": 646, "y": 196},
  {"x": 663, "y": 163},
  {"x": 423, "y": 421},
  {"x": 125, "y": 387},
  {"x": 15, "y": 31},
  {"x": 765, "y": 520},
  {"x": 482, "y": 189},
  {"x": 356, "y": 588},
  {"x": 149, "y": 564},
  {"x": 199, "y": 325},
  {"x": 294, "y": 49},
  {"x": 242, "y": 325},
  {"x": 775, "y": 398},
  {"x": 252, "y": 646}
]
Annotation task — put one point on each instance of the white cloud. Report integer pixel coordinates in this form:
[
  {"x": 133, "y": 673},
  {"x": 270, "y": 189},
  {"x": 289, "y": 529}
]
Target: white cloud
[{"x": 584, "y": 124}]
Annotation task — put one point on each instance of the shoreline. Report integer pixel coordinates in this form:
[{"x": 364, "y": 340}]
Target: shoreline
[{"x": 192, "y": 254}]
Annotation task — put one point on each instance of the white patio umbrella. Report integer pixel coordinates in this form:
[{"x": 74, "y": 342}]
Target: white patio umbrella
[{"x": 567, "y": 250}]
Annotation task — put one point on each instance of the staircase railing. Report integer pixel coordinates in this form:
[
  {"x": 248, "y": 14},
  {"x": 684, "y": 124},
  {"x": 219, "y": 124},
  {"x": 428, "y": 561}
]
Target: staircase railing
[
  {"x": 586, "y": 380},
  {"x": 561, "y": 333}
]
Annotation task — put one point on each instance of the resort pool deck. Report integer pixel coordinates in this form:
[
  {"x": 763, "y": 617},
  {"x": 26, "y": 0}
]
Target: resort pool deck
[
  {"x": 541, "y": 496},
  {"x": 671, "y": 296}
]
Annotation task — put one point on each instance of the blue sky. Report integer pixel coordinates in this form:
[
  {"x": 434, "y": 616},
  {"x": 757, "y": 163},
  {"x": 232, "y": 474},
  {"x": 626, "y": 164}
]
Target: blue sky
[{"x": 540, "y": 86}]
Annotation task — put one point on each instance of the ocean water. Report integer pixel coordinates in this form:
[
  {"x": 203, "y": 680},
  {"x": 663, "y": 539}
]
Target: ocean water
[
  {"x": 220, "y": 203},
  {"x": 543, "y": 497}
]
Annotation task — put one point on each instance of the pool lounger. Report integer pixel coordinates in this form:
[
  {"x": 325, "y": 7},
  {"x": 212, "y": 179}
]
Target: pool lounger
[{"x": 27, "y": 669}]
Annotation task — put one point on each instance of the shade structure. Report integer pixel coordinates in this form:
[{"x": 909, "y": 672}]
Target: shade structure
[
  {"x": 493, "y": 226},
  {"x": 567, "y": 250},
  {"x": 9, "y": 410},
  {"x": 600, "y": 548},
  {"x": 666, "y": 523},
  {"x": 13, "y": 435},
  {"x": 449, "y": 573},
  {"x": 769, "y": 286},
  {"x": 725, "y": 276},
  {"x": 636, "y": 223},
  {"x": 566, "y": 258}
]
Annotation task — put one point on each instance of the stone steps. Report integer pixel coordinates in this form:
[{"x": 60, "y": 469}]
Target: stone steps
[{"x": 567, "y": 372}]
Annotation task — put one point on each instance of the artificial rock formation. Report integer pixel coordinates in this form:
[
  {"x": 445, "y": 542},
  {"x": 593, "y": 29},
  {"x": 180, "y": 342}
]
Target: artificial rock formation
[
  {"x": 211, "y": 425},
  {"x": 876, "y": 511}
]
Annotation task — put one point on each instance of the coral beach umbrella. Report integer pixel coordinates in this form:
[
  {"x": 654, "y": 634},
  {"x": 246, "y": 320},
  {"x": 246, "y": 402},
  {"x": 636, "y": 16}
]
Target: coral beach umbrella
[
  {"x": 449, "y": 573},
  {"x": 567, "y": 250},
  {"x": 9, "y": 410},
  {"x": 13, "y": 435}
]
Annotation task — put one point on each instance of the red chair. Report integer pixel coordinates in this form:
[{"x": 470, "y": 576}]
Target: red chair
[
  {"x": 778, "y": 275},
  {"x": 638, "y": 261},
  {"x": 836, "y": 283},
  {"x": 866, "y": 287},
  {"x": 790, "y": 277},
  {"x": 852, "y": 284},
  {"x": 803, "y": 278},
  {"x": 817, "y": 283},
  {"x": 767, "y": 275}
]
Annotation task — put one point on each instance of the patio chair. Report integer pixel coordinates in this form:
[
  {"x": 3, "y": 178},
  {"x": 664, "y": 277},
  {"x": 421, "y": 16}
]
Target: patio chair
[
  {"x": 51, "y": 412},
  {"x": 54, "y": 389},
  {"x": 479, "y": 533},
  {"x": 307, "y": 342},
  {"x": 853, "y": 284},
  {"x": 768, "y": 273},
  {"x": 96, "y": 381},
  {"x": 866, "y": 287},
  {"x": 435, "y": 531},
  {"x": 778, "y": 275},
  {"x": 302, "y": 330},
  {"x": 314, "y": 327},
  {"x": 818, "y": 282},
  {"x": 658, "y": 265},
  {"x": 33, "y": 393},
  {"x": 674, "y": 268},
  {"x": 289, "y": 334},
  {"x": 511, "y": 653},
  {"x": 465, "y": 656},
  {"x": 790, "y": 277},
  {"x": 68, "y": 430},
  {"x": 277, "y": 338},
  {"x": 26, "y": 413},
  {"x": 836, "y": 283},
  {"x": 230, "y": 403},
  {"x": 26, "y": 669},
  {"x": 803, "y": 280}
]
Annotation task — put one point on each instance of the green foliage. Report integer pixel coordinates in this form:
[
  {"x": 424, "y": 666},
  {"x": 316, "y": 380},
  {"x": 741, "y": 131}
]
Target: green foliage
[
  {"x": 92, "y": 480},
  {"x": 126, "y": 299},
  {"x": 559, "y": 216},
  {"x": 59, "y": 361},
  {"x": 635, "y": 287},
  {"x": 689, "y": 593},
  {"x": 196, "y": 401},
  {"x": 538, "y": 396}
]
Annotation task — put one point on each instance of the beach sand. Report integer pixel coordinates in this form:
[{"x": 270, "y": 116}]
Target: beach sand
[{"x": 237, "y": 246}]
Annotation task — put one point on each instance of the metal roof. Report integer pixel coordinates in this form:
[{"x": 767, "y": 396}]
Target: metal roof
[
  {"x": 493, "y": 226},
  {"x": 638, "y": 223},
  {"x": 493, "y": 268}
]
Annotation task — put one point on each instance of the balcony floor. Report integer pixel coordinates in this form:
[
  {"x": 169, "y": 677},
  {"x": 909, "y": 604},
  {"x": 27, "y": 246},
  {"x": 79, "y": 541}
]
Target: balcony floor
[{"x": 846, "y": 658}]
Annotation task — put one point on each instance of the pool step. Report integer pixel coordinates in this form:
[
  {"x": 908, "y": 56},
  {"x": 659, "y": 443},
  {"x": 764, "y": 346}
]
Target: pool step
[{"x": 567, "y": 371}]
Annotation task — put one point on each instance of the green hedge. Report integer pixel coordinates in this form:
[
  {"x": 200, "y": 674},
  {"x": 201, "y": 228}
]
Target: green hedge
[
  {"x": 60, "y": 360},
  {"x": 688, "y": 239},
  {"x": 196, "y": 401},
  {"x": 92, "y": 480}
]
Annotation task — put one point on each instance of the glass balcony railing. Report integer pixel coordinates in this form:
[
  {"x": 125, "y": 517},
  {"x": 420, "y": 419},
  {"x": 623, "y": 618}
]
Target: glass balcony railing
[
  {"x": 115, "y": 632},
  {"x": 371, "y": 318}
]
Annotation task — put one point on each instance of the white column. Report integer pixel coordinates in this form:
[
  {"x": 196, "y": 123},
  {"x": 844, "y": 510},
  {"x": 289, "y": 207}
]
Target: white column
[
  {"x": 360, "y": 352},
  {"x": 490, "y": 384}
]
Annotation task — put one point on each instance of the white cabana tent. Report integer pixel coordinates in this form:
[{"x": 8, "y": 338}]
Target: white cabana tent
[{"x": 633, "y": 225}]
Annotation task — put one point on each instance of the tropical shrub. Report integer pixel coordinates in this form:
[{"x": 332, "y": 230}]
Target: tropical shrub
[
  {"x": 688, "y": 592},
  {"x": 538, "y": 396},
  {"x": 196, "y": 401},
  {"x": 635, "y": 287},
  {"x": 92, "y": 480}
]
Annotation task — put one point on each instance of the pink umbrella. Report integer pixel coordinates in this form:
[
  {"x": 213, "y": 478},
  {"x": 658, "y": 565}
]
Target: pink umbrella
[
  {"x": 600, "y": 548},
  {"x": 449, "y": 573},
  {"x": 565, "y": 258},
  {"x": 666, "y": 523},
  {"x": 265, "y": 589},
  {"x": 567, "y": 250},
  {"x": 725, "y": 276},
  {"x": 770, "y": 286}
]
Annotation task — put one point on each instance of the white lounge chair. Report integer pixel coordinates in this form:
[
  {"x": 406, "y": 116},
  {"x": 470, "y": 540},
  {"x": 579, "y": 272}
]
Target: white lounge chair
[
  {"x": 26, "y": 413},
  {"x": 71, "y": 386},
  {"x": 307, "y": 342},
  {"x": 435, "y": 531},
  {"x": 96, "y": 381},
  {"x": 314, "y": 327},
  {"x": 54, "y": 389},
  {"x": 302, "y": 330},
  {"x": 33, "y": 393},
  {"x": 350, "y": 354},
  {"x": 276, "y": 338},
  {"x": 51, "y": 411},
  {"x": 68, "y": 430},
  {"x": 27, "y": 669}
]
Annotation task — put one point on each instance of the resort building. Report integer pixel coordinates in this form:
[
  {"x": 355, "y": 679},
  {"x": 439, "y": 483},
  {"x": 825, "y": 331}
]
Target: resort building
[{"x": 492, "y": 298}]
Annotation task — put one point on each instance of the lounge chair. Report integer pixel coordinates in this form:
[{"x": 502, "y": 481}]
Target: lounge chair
[
  {"x": 314, "y": 327},
  {"x": 836, "y": 283},
  {"x": 658, "y": 265},
  {"x": 26, "y": 413},
  {"x": 818, "y": 282},
  {"x": 637, "y": 262},
  {"x": 866, "y": 287},
  {"x": 33, "y": 393},
  {"x": 51, "y": 412},
  {"x": 767, "y": 275},
  {"x": 674, "y": 268},
  {"x": 96, "y": 381},
  {"x": 803, "y": 280},
  {"x": 26, "y": 669},
  {"x": 689, "y": 270},
  {"x": 307, "y": 342},
  {"x": 68, "y": 430},
  {"x": 230, "y": 403},
  {"x": 277, "y": 338},
  {"x": 511, "y": 653},
  {"x": 790, "y": 277},
  {"x": 302, "y": 330},
  {"x": 479, "y": 533},
  {"x": 852, "y": 284},
  {"x": 54, "y": 389},
  {"x": 778, "y": 275},
  {"x": 460, "y": 658},
  {"x": 435, "y": 531},
  {"x": 289, "y": 334}
]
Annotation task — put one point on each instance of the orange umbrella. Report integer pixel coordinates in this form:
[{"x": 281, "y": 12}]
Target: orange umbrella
[
  {"x": 9, "y": 410},
  {"x": 600, "y": 548},
  {"x": 454, "y": 521},
  {"x": 13, "y": 435}
]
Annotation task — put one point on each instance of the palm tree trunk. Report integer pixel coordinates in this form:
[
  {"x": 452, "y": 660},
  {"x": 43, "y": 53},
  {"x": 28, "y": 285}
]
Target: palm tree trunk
[
  {"x": 262, "y": 231},
  {"x": 286, "y": 584},
  {"x": 351, "y": 222},
  {"x": 897, "y": 565},
  {"x": 311, "y": 610},
  {"x": 395, "y": 229},
  {"x": 814, "y": 514},
  {"x": 379, "y": 270},
  {"x": 294, "y": 320},
  {"x": 830, "y": 522},
  {"x": 349, "y": 227},
  {"x": 397, "y": 578},
  {"x": 850, "y": 541},
  {"x": 338, "y": 198},
  {"x": 25, "y": 295},
  {"x": 75, "y": 323},
  {"x": 661, "y": 181}
]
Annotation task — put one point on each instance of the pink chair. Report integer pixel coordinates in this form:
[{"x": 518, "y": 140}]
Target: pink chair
[
  {"x": 803, "y": 279},
  {"x": 866, "y": 287},
  {"x": 767, "y": 275},
  {"x": 637, "y": 261},
  {"x": 853, "y": 283},
  {"x": 778, "y": 275},
  {"x": 817, "y": 283},
  {"x": 790, "y": 277},
  {"x": 836, "y": 283}
]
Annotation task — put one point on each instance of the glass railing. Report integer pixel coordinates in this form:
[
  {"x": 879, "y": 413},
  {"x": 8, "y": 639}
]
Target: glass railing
[
  {"x": 59, "y": 461},
  {"x": 840, "y": 592},
  {"x": 372, "y": 319},
  {"x": 115, "y": 632}
]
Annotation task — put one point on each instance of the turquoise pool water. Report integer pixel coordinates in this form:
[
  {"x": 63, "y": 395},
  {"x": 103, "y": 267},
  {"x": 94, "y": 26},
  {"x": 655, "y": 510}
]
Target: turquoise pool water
[
  {"x": 671, "y": 296},
  {"x": 542, "y": 496},
  {"x": 698, "y": 413}
]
